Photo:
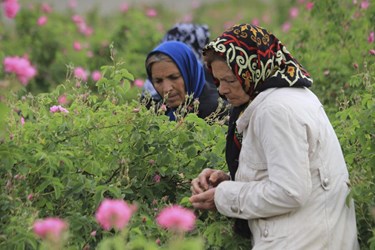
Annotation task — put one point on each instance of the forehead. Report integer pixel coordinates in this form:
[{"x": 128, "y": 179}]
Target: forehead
[
  {"x": 220, "y": 69},
  {"x": 163, "y": 68}
]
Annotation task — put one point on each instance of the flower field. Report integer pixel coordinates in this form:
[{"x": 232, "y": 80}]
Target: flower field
[{"x": 85, "y": 165}]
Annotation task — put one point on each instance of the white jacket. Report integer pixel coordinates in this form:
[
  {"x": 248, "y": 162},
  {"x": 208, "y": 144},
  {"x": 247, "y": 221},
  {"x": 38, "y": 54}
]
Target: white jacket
[{"x": 292, "y": 181}]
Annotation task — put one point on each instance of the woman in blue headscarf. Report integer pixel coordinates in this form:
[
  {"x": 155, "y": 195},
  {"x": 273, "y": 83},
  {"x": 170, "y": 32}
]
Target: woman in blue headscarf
[
  {"x": 196, "y": 36},
  {"x": 177, "y": 74}
]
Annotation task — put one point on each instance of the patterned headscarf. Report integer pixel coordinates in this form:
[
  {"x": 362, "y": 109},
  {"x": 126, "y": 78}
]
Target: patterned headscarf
[
  {"x": 258, "y": 59},
  {"x": 196, "y": 36}
]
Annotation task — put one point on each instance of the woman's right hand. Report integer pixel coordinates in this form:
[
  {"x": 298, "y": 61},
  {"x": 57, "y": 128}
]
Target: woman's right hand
[{"x": 207, "y": 179}]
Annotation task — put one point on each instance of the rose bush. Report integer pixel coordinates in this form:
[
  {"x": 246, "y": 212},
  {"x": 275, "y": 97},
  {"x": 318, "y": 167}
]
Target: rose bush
[{"x": 77, "y": 134}]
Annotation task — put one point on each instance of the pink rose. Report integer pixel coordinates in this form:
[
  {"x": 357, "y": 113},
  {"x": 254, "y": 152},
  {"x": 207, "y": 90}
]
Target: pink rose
[
  {"x": 293, "y": 12},
  {"x": 365, "y": 4},
  {"x": 72, "y": 4},
  {"x": 96, "y": 75},
  {"x": 113, "y": 214},
  {"x": 371, "y": 37},
  {"x": 46, "y": 8},
  {"x": 124, "y": 7},
  {"x": 30, "y": 197},
  {"x": 62, "y": 100},
  {"x": 21, "y": 67},
  {"x": 80, "y": 74},
  {"x": 176, "y": 218},
  {"x": 151, "y": 13},
  {"x": 11, "y": 8},
  {"x": 286, "y": 26},
  {"x": 139, "y": 83},
  {"x": 309, "y": 5},
  {"x": 157, "y": 178},
  {"x": 58, "y": 108},
  {"x": 42, "y": 20},
  {"x": 50, "y": 229},
  {"x": 255, "y": 21},
  {"x": 77, "y": 46}
]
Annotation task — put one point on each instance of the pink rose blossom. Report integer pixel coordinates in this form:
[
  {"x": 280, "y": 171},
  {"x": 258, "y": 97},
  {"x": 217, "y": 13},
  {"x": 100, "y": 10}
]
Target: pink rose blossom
[
  {"x": 11, "y": 8},
  {"x": 77, "y": 19},
  {"x": 89, "y": 54},
  {"x": 293, "y": 12},
  {"x": 124, "y": 7},
  {"x": 163, "y": 107},
  {"x": 96, "y": 75},
  {"x": 77, "y": 46},
  {"x": 371, "y": 37},
  {"x": 30, "y": 197},
  {"x": 46, "y": 8},
  {"x": 158, "y": 242},
  {"x": 176, "y": 218},
  {"x": 139, "y": 83},
  {"x": 372, "y": 51},
  {"x": 151, "y": 13},
  {"x": 365, "y": 4},
  {"x": 195, "y": 4},
  {"x": 21, "y": 67},
  {"x": 42, "y": 20},
  {"x": 286, "y": 26},
  {"x": 113, "y": 214},
  {"x": 255, "y": 21},
  {"x": 50, "y": 229},
  {"x": 62, "y": 100},
  {"x": 58, "y": 108},
  {"x": 309, "y": 5},
  {"x": 22, "y": 121},
  {"x": 156, "y": 178},
  {"x": 151, "y": 162},
  {"x": 80, "y": 73},
  {"x": 72, "y": 4}
]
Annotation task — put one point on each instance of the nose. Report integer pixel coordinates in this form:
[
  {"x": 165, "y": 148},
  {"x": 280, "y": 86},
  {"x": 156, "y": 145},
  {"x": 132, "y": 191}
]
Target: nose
[
  {"x": 167, "y": 86},
  {"x": 223, "y": 89}
]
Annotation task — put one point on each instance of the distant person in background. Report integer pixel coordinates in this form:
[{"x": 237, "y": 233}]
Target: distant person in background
[
  {"x": 175, "y": 72},
  {"x": 193, "y": 35}
]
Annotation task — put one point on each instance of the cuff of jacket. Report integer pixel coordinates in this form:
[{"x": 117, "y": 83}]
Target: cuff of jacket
[{"x": 227, "y": 198}]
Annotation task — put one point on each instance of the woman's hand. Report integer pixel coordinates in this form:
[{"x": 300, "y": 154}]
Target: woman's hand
[
  {"x": 208, "y": 179},
  {"x": 205, "y": 200}
]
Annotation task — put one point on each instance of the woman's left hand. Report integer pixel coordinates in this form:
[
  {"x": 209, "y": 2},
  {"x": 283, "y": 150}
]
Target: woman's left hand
[{"x": 205, "y": 200}]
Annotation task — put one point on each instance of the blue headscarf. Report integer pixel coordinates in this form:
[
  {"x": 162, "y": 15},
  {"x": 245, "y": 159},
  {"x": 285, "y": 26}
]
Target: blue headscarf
[{"x": 190, "y": 67}]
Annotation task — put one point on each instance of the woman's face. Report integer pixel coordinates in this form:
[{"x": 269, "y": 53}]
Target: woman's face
[
  {"x": 229, "y": 86},
  {"x": 168, "y": 82}
]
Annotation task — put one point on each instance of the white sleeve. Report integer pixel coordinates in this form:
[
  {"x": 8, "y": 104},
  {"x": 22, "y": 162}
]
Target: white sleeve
[{"x": 284, "y": 142}]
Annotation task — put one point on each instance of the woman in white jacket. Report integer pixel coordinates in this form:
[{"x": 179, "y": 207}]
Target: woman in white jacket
[{"x": 288, "y": 179}]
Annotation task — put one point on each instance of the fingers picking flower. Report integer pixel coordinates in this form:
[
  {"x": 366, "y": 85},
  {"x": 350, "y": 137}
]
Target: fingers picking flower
[{"x": 176, "y": 218}]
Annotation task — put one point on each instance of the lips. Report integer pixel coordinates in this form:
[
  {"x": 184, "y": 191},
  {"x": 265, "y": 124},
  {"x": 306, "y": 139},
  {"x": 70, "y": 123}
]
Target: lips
[{"x": 172, "y": 97}]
